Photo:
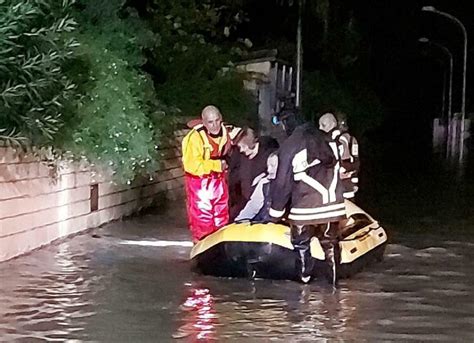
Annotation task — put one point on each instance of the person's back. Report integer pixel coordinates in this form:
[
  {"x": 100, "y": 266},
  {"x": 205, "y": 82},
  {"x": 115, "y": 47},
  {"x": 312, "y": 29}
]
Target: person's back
[
  {"x": 308, "y": 179},
  {"x": 305, "y": 156}
]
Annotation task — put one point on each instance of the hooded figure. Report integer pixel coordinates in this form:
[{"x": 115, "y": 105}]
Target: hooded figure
[{"x": 204, "y": 149}]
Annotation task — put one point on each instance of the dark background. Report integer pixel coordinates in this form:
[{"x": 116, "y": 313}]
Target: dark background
[{"x": 407, "y": 75}]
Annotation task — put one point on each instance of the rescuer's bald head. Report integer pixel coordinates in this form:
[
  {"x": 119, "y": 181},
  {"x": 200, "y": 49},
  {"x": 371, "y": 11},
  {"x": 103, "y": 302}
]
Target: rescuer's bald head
[
  {"x": 212, "y": 119},
  {"x": 327, "y": 122}
]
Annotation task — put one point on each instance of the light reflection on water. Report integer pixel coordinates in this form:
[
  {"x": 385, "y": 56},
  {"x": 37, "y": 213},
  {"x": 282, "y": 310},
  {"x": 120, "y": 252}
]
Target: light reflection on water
[
  {"x": 45, "y": 304},
  {"x": 133, "y": 285},
  {"x": 97, "y": 289},
  {"x": 398, "y": 300}
]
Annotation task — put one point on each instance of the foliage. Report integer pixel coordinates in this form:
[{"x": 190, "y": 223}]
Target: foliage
[
  {"x": 116, "y": 120},
  {"x": 324, "y": 92},
  {"x": 119, "y": 119},
  {"x": 192, "y": 61},
  {"x": 114, "y": 126},
  {"x": 97, "y": 100},
  {"x": 340, "y": 45},
  {"x": 34, "y": 47}
]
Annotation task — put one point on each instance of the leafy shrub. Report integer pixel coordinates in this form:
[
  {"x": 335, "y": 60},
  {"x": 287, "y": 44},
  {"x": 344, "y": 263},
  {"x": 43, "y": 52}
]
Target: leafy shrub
[
  {"x": 192, "y": 60},
  {"x": 34, "y": 47},
  {"x": 116, "y": 119},
  {"x": 113, "y": 125}
]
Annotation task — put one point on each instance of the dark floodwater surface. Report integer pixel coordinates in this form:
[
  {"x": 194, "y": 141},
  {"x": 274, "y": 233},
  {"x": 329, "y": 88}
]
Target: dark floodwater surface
[{"x": 126, "y": 287}]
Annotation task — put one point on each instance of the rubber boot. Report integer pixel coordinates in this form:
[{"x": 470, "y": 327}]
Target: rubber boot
[
  {"x": 301, "y": 239},
  {"x": 306, "y": 265},
  {"x": 332, "y": 265},
  {"x": 331, "y": 249}
]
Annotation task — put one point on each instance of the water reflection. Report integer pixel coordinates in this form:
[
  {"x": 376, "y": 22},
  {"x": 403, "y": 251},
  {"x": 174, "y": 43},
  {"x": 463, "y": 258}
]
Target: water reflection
[
  {"x": 417, "y": 294},
  {"x": 217, "y": 309},
  {"x": 199, "y": 315},
  {"x": 102, "y": 290},
  {"x": 46, "y": 305}
]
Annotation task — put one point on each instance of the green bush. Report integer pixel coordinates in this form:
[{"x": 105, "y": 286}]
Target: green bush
[
  {"x": 116, "y": 119},
  {"x": 34, "y": 47},
  {"x": 113, "y": 125},
  {"x": 119, "y": 118},
  {"x": 92, "y": 93},
  {"x": 192, "y": 61}
]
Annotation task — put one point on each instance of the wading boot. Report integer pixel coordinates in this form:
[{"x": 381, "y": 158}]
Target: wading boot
[
  {"x": 301, "y": 239},
  {"x": 331, "y": 261},
  {"x": 306, "y": 265}
]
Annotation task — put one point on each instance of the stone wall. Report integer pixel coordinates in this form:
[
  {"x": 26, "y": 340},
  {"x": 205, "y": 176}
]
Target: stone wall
[{"x": 37, "y": 207}]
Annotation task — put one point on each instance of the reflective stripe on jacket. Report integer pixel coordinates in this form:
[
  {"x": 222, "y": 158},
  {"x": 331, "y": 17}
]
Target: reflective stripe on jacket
[{"x": 308, "y": 177}]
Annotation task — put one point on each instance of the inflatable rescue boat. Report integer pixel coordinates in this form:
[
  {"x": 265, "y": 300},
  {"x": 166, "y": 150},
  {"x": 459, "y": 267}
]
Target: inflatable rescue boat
[{"x": 259, "y": 250}]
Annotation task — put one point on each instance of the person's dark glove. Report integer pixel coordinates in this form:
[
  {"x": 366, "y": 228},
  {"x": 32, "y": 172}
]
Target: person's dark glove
[
  {"x": 265, "y": 219},
  {"x": 242, "y": 221}
]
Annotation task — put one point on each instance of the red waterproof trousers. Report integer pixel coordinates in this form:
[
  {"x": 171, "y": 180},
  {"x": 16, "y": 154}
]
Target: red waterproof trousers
[{"x": 207, "y": 203}]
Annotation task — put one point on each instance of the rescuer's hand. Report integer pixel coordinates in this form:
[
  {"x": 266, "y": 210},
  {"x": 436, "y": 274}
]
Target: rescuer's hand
[{"x": 224, "y": 165}]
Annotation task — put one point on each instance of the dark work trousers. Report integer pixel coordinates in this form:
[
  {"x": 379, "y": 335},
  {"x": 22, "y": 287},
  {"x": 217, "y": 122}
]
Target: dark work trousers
[{"x": 301, "y": 236}]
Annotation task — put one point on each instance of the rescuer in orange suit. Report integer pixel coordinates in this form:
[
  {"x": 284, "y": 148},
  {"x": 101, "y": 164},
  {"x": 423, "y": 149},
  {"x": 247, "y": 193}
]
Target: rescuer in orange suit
[{"x": 207, "y": 196}]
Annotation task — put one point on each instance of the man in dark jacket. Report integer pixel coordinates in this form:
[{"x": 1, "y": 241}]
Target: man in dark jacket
[
  {"x": 257, "y": 207},
  {"x": 307, "y": 179},
  {"x": 348, "y": 148},
  {"x": 252, "y": 163},
  {"x": 350, "y": 163}
]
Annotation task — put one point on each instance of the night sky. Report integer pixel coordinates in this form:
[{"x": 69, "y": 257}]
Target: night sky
[
  {"x": 409, "y": 74},
  {"x": 406, "y": 74}
]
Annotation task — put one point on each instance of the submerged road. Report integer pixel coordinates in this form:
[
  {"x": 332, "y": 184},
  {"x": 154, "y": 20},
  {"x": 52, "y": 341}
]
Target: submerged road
[{"x": 130, "y": 281}]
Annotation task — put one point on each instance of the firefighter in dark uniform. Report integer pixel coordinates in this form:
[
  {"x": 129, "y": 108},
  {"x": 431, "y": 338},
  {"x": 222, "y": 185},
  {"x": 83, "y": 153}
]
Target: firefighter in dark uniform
[
  {"x": 350, "y": 163},
  {"x": 348, "y": 148},
  {"x": 307, "y": 183}
]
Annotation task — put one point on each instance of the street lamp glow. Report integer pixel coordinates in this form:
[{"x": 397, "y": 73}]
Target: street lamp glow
[
  {"x": 450, "y": 55},
  {"x": 428, "y": 9},
  {"x": 463, "y": 103}
]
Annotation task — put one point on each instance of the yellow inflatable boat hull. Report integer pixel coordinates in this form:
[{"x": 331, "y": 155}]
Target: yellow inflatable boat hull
[{"x": 265, "y": 250}]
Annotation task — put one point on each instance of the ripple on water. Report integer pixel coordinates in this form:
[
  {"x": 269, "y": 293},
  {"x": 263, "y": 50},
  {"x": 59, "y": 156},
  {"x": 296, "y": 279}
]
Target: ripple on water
[
  {"x": 96, "y": 290},
  {"x": 414, "y": 277},
  {"x": 448, "y": 273}
]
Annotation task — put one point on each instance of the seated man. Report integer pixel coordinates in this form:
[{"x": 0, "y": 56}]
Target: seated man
[
  {"x": 257, "y": 207},
  {"x": 252, "y": 162}
]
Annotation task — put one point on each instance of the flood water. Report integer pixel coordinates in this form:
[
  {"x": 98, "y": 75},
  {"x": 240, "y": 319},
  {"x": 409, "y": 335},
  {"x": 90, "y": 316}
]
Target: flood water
[{"x": 119, "y": 284}]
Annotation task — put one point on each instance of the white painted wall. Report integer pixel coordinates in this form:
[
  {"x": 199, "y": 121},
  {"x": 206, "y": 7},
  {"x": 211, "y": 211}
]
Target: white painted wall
[{"x": 37, "y": 208}]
